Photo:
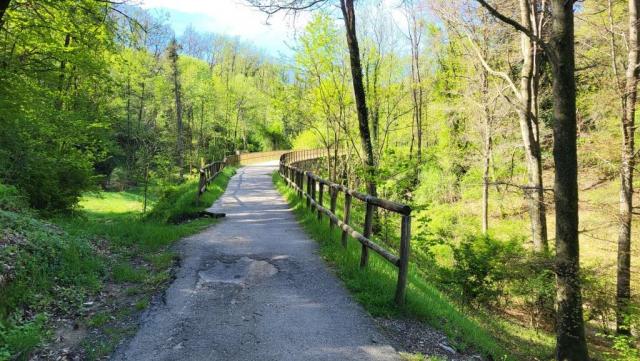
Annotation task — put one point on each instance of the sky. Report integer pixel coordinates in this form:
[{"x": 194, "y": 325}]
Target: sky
[{"x": 234, "y": 18}]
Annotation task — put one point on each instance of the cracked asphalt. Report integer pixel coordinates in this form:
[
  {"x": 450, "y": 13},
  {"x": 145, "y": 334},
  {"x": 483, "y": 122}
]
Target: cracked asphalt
[{"x": 252, "y": 287}]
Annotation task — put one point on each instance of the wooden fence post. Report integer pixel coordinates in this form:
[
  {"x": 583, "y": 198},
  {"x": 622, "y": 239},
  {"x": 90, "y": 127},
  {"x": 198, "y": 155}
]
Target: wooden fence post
[
  {"x": 201, "y": 183},
  {"x": 320, "y": 194},
  {"x": 308, "y": 176},
  {"x": 347, "y": 217},
  {"x": 334, "y": 198},
  {"x": 368, "y": 228},
  {"x": 403, "y": 264},
  {"x": 313, "y": 190}
]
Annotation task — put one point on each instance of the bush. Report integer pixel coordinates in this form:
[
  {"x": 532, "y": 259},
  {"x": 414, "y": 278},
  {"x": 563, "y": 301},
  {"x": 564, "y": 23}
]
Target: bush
[
  {"x": 51, "y": 177},
  {"x": 19, "y": 338},
  {"x": 11, "y": 199},
  {"x": 598, "y": 294},
  {"x": 481, "y": 267},
  {"x": 533, "y": 281}
]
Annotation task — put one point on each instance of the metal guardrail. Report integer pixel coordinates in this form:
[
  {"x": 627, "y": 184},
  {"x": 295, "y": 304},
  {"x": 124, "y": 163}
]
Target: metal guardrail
[{"x": 300, "y": 179}]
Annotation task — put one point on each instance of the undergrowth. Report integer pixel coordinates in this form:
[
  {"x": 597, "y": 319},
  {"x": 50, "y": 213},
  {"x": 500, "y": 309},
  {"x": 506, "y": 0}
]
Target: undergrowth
[
  {"x": 374, "y": 286},
  {"x": 50, "y": 268}
]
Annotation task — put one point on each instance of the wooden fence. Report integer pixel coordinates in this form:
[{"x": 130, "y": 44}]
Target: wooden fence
[
  {"x": 209, "y": 171},
  {"x": 311, "y": 187}
]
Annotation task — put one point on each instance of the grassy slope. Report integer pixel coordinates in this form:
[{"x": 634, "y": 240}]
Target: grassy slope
[
  {"x": 374, "y": 288},
  {"x": 56, "y": 267}
]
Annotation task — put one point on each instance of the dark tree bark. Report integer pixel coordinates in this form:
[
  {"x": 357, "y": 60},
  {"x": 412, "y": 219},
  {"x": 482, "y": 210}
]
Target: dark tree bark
[
  {"x": 629, "y": 96},
  {"x": 571, "y": 343},
  {"x": 4, "y": 4},
  {"x": 359, "y": 93}
]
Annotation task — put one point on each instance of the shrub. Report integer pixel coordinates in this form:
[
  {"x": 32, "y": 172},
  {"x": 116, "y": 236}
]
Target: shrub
[
  {"x": 52, "y": 177},
  {"x": 11, "y": 199},
  {"x": 481, "y": 268},
  {"x": 533, "y": 281},
  {"x": 19, "y": 338}
]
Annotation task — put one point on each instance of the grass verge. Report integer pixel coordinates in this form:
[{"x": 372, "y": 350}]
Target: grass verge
[
  {"x": 94, "y": 268},
  {"x": 374, "y": 286}
]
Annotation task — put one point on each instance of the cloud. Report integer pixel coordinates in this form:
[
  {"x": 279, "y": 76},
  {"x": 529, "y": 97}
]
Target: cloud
[{"x": 231, "y": 17}]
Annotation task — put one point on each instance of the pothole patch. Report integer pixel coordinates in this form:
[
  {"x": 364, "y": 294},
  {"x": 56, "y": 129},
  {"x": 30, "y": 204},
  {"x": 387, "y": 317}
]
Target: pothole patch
[{"x": 243, "y": 272}]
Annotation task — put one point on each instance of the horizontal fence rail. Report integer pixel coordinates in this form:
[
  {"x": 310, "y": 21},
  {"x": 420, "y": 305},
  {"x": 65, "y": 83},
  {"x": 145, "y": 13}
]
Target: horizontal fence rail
[
  {"x": 312, "y": 188},
  {"x": 260, "y": 157}
]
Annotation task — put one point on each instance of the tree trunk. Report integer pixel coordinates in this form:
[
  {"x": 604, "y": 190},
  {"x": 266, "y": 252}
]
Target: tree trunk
[
  {"x": 487, "y": 153},
  {"x": 146, "y": 187},
  {"x": 141, "y": 110},
  {"x": 63, "y": 66},
  {"x": 359, "y": 94},
  {"x": 173, "y": 53},
  {"x": 623, "y": 289},
  {"x": 4, "y": 4},
  {"x": 570, "y": 338},
  {"x": 530, "y": 136}
]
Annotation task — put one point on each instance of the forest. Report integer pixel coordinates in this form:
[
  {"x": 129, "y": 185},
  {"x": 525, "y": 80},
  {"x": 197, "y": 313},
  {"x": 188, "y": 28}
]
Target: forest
[{"x": 508, "y": 126}]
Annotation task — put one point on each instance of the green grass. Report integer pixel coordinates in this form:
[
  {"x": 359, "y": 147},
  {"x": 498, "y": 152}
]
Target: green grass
[
  {"x": 177, "y": 204},
  {"x": 56, "y": 265},
  {"x": 374, "y": 286}
]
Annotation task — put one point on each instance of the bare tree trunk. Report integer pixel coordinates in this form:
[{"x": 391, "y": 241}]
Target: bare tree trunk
[
  {"x": 571, "y": 344},
  {"x": 63, "y": 65},
  {"x": 141, "y": 110},
  {"x": 487, "y": 153},
  {"x": 359, "y": 93},
  {"x": 530, "y": 136},
  {"x": 623, "y": 289},
  {"x": 146, "y": 186},
  {"x": 173, "y": 54},
  {"x": 414, "y": 35}
]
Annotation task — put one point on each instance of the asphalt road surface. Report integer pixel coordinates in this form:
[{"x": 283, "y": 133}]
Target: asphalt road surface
[{"x": 252, "y": 287}]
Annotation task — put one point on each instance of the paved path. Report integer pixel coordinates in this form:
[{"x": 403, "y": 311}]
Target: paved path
[{"x": 253, "y": 288}]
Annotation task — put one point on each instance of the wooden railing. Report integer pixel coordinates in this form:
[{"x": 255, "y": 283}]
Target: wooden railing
[
  {"x": 260, "y": 157},
  {"x": 311, "y": 187},
  {"x": 209, "y": 171}
]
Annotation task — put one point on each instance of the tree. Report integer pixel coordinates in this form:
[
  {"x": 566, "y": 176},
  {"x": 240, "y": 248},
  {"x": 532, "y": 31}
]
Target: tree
[
  {"x": 172, "y": 53},
  {"x": 570, "y": 335},
  {"x": 628, "y": 94},
  {"x": 415, "y": 32},
  {"x": 348, "y": 12}
]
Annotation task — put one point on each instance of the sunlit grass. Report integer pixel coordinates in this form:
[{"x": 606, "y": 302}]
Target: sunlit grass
[
  {"x": 107, "y": 239},
  {"x": 374, "y": 286},
  {"x": 112, "y": 202}
]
